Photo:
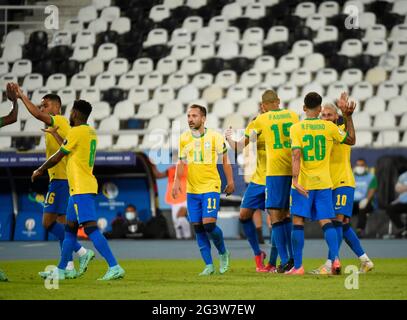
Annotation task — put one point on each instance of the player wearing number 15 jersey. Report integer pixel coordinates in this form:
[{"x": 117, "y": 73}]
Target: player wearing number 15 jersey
[
  {"x": 312, "y": 141},
  {"x": 80, "y": 149},
  {"x": 275, "y": 125}
]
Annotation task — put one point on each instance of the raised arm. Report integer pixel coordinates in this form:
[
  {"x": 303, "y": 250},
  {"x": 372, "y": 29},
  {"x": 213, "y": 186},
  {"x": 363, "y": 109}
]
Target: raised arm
[
  {"x": 347, "y": 108},
  {"x": 12, "y": 116},
  {"x": 227, "y": 168},
  {"x": 33, "y": 109},
  {"x": 236, "y": 145}
]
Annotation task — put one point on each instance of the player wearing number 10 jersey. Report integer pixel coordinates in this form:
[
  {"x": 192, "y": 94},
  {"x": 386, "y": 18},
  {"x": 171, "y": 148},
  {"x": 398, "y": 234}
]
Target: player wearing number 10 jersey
[
  {"x": 80, "y": 149},
  {"x": 275, "y": 125}
]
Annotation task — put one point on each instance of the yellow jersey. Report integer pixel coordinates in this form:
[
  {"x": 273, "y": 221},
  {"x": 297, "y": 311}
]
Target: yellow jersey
[
  {"x": 201, "y": 154},
  {"x": 341, "y": 168},
  {"x": 275, "y": 128},
  {"x": 80, "y": 148},
  {"x": 259, "y": 177},
  {"x": 315, "y": 138},
  {"x": 52, "y": 146}
]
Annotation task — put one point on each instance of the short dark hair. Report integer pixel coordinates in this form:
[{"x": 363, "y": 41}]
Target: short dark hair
[
  {"x": 201, "y": 108},
  {"x": 312, "y": 100},
  {"x": 83, "y": 107},
  {"x": 132, "y": 206},
  {"x": 53, "y": 97},
  {"x": 361, "y": 159}
]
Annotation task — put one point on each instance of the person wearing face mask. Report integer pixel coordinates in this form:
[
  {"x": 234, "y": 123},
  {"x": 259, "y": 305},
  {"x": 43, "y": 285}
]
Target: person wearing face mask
[
  {"x": 366, "y": 186},
  {"x": 127, "y": 225},
  {"x": 399, "y": 206}
]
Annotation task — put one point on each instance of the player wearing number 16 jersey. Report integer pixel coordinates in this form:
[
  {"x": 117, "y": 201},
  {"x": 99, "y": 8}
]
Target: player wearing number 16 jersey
[
  {"x": 275, "y": 125},
  {"x": 80, "y": 149}
]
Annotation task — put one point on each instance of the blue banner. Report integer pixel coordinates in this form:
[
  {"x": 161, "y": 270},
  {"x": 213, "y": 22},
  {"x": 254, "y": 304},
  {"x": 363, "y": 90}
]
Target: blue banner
[{"x": 14, "y": 159}]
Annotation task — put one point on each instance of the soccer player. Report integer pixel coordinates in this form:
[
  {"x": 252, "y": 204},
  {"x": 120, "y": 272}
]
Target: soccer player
[
  {"x": 79, "y": 148},
  {"x": 311, "y": 195},
  {"x": 4, "y": 121},
  {"x": 275, "y": 125},
  {"x": 200, "y": 148},
  {"x": 254, "y": 197},
  {"x": 56, "y": 200},
  {"x": 343, "y": 191}
]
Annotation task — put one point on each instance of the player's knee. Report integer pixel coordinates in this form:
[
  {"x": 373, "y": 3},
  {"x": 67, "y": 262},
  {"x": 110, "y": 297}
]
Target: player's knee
[
  {"x": 199, "y": 228},
  {"x": 48, "y": 221},
  {"x": 71, "y": 227},
  {"x": 90, "y": 229},
  {"x": 337, "y": 223},
  {"x": 209, "y": 227},
  {"x": 245, "y": 216}
]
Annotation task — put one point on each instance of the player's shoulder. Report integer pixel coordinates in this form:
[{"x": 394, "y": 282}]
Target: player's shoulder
[
  {"x": 60, "y": 119},
  {"x": 214, "y": 133}
]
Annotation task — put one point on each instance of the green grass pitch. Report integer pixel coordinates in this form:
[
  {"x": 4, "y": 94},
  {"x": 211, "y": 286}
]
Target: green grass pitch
[{"x": 178, "y": 279}]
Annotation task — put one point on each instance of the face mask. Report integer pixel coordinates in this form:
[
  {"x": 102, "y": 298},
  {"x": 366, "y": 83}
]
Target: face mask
[
  {"x": 359, "y": 170},
  {"x": 130, "y": 215}
]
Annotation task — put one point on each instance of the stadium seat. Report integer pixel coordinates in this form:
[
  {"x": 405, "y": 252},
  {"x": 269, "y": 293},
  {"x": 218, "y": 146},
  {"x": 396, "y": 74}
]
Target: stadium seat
[
  {"x": 96, "y": 26},
  {"x": 128, "y": 80},
  {"x": 213, "y": 65},
  {"x": 105, "y": 142},
  {"x": 93, "y": 67},
  {"x": 328, "y": 9},
  {"x": 362, "y": 120},
  {"x": 326, "y": 34},
  {"x": 101, "y": 110},
  {"x": 187, "y": 93},
  {"x": 258, "y": 91},
  {"x": 255, "y": 11},
  {"x": 218, "y": 23},
  {"x": 389, "y": 61},
  {"x": 384, "y": 120},
  {"x": 351, "y": 76},
  {"x": 376, "y": 47},
  {"x": 302, "y": 48},
  {"x": 84, "y": 38},
  {"x": 222, "y": 108},
  {"x": 33, "y": 125},
  {"x": 313, "y": 87},
  {"x": 152, "y": 80},
  {"x": 191, "y": 66},
  {"x": 159, "y": 13},
  {"x": 121, "y": 25},
  {"x": 163, "y": 94},
  {"x": 398, "y": 32},
  {"x": 56, "y": 81},
  {"x": 61, "y": 38},
  {"x": 202, "y": 80},
  {"x": 212, "y": 93},
  {"x": 375, "y": 32},
  {"x": 15, "y": 37},
  {"x": 300, "y": 77},
  {"x": 73, "y": 25},
  {"x": 193, "y": 23},
  {"x": 326, "y": 76},
  {"x": 142, "y": 66},
  {"x": 351, "y": 48},
  {"x": 12, "y": 53},
  {"x": 399, "y": 47},
  {"x": 250, "y": 78},
  {"x": 264, "y": 64},
  {"x": 177, "y": 80},
  {"x": 399, "y": 75},
  {"x": 387, "y": 139},
  {"x": 305, "y": 9},
  {"x": 90, "y": 94},
  {"x": 33, "y": 81},
  {"x": 277, "y": 34},
  {"x": 107, "y": 52},
  {"x": 204, "y": 51},
  {"x": 367, "y": 20},
  {"x": 252, "y": 50},
  {"x": 204, "y": 36},
  {"x": 228, "y": 35},
  {"x": 87, "y": 14},
  {"x": 275, "y": 78},
  {"x": 4, "y": 67},
  {"x": 232, "y": 11},
  {"x": 212, "y": 121},
  {"x": 248, "y": 107},
  {"x": 228, "y": 50},
  {"x": 335, "y": 89},
  {"x": 364, "y": 139},
  {"x": 180, "y": 36},
  {"x": 181, "y": 51},
  {"x": 362, "y": 91},
  {"x": 288, "y": 63},
  {"x": 237, "y": 93},
  {"x": 104, "y": 81},
  {"x": 110, "y": 14},
  {"x": 397, "y": 106},
  {"x": 124, "y": 110},
  {"x": 166, "y": 66},
  {"x": 287, "y": 92},
  {"x": 21, "y": 67},
  {"x": 315, "y": 22},
  {"x": 147, "y": 110},
  {"x": 173, "y": 109},
  {"x": 374, "y": 105},
  {"x": 67, "y": 95},
  {"x": 118, "y": 66},
  {"x": 297, "y": 105},
  {"x": 38, "y": 94},
  {"x": 388, "y": 90},
  {"x": 226, "y": 79},
  {"x": 233, "y": 121},
  {"x": 376, "y": 75},
  {"x": 314, "y": 62},
  {"x": 156, "y": 140},
  {"x": 155, "y": 37},
  {"x": 400, "y": 7},
  {"x": 196, "y": 4},
  {"x": 101, "y": 4},
  {"x": 82, "y": 53},
  {"x": 138, "y": 95}
]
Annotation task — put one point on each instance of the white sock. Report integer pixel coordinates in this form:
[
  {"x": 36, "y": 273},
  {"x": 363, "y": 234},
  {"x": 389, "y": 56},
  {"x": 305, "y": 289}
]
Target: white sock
[
  {"x": 70, "y": 266},
  {"x": 328, "y": 263},
  {"x": 82, "y": 251},
  {"x": 364, "y": 257}
]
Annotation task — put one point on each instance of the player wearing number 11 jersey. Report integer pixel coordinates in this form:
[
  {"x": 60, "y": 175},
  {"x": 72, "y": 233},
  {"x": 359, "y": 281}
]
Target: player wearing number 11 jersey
[
  {"x": 275, "y": 125},
  {"x": 80, "y": 149}
]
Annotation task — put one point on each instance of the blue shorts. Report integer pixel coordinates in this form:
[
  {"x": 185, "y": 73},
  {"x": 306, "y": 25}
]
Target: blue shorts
[
  {"x": 342, "y": 199},
  {"x": 81, "y": 208},
  {"x": 278, "y": 192},
  {"x": 57, "y": 197},
  {"x": 254, "y": 197},
  {"x": 317, "y": 206},
  {"x": 204, "y": 205}
]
